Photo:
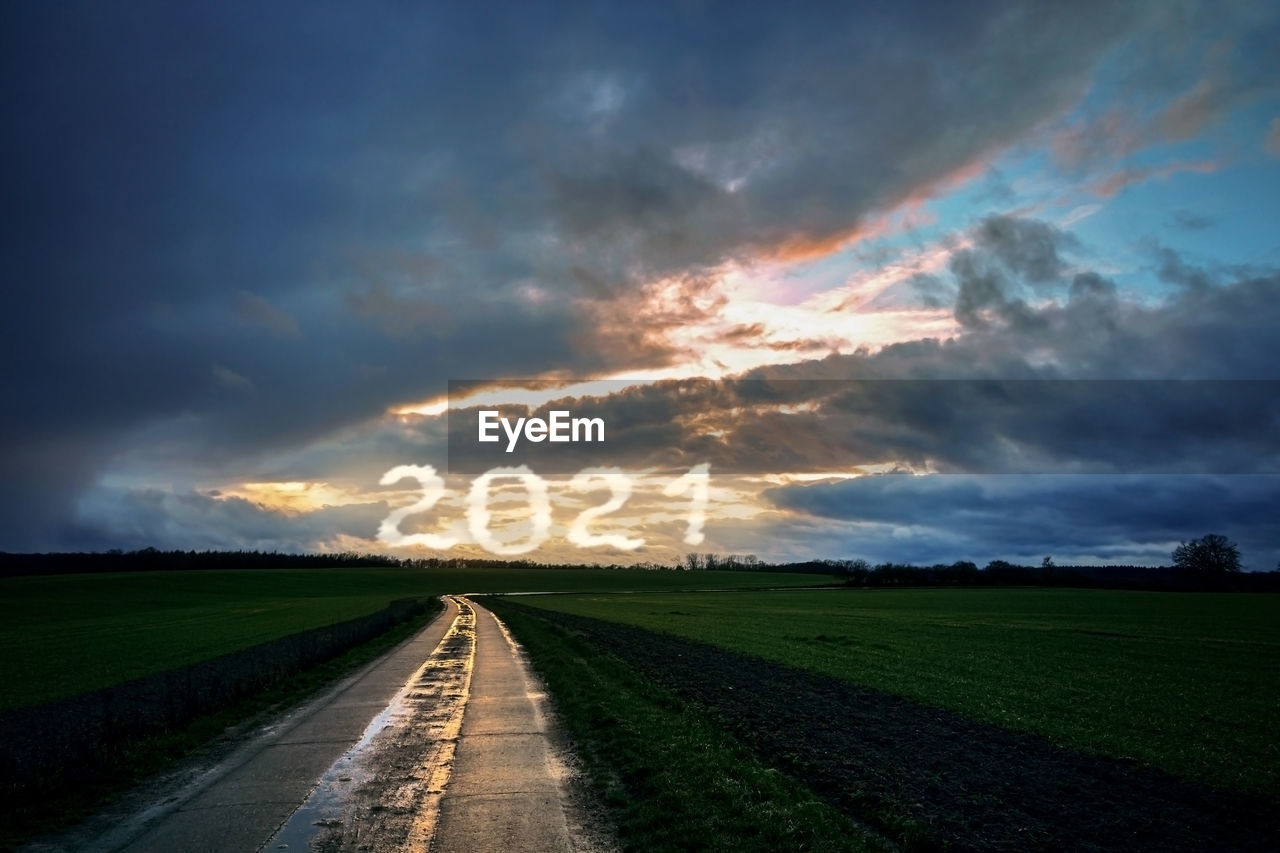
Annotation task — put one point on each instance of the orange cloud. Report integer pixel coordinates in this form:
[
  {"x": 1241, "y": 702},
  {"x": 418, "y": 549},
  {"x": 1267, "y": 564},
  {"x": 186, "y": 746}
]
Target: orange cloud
[
  {"x": 1115, "y": 182},
  {"x": 903, "y": 213},
  {"x": 292, "y": 496},
  {"x": 1207, "y": 101},
  {"x": 808, "y": 247},
  {"x": 1112, "y": 136}
]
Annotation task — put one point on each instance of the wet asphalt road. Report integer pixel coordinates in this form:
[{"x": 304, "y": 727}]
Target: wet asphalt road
[{"x": 484, "y": 777}]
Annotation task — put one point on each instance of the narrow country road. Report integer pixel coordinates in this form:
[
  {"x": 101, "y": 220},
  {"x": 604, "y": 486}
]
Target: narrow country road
[{"x": 442, "y": 745}]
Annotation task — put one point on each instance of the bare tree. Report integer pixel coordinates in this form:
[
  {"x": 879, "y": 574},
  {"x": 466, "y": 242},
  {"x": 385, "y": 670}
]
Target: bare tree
[{"x": 1211, "y": 554}]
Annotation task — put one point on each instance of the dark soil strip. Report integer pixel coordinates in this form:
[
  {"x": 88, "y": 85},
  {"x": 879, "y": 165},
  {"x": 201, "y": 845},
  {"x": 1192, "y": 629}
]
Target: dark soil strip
[{"x": 934, "y": 778}]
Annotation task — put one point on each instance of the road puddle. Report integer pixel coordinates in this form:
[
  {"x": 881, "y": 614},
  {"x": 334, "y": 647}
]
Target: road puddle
[{"x": 384, "y": 792}]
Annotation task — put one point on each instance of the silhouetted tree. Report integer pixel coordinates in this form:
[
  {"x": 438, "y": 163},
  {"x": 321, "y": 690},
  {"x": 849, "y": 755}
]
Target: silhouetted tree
[
  {"x": 1211, "y": 555},
  {"x": 851, "y": 571}
]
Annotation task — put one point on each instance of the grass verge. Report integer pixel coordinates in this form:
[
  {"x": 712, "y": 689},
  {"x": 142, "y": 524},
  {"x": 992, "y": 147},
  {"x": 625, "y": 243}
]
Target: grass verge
[
  {"x": 929, "y": 778},
  {"x": 669, "y": 776},
  {"x": 20, "y": 822}
]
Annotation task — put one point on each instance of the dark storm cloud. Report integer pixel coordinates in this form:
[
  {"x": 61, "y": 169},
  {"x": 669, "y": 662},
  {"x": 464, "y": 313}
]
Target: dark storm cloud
[
  {"x": 954, "y": 517},
  {"x": 942, "y": 405},
  {"x": 252, "y": 308},
  {"x": 1189, "y": 220},
  {"x": 1028, "y": 426},
  {"x": 1087, "y": 381},
  {"x": 1028, "y": 248},
  {"x": 1009, "y": 255},
  {"x": 183, "y": 187},
  {"x": 1172, "y": 269},
  {"x": 193, "y": 521},
  {"x": 1215, "y": 325},
  {"x": 729, "y": 142},
  {"x": 260, "y": 224}
]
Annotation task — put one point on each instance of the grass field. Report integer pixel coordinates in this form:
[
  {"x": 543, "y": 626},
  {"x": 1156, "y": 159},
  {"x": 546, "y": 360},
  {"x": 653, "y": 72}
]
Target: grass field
[
  {"x": 67, "y": 634},
  {"x": 669, "y": 776},
  {"x": 23, "y": 818},
  {"x": 1188, "y": 683}
]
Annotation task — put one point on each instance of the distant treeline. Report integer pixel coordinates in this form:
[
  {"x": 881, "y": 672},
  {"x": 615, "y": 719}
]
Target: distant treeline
[
  {"x": 153, "y": 560},
  {"x": 1001, "y": 573},
  {"x": 849, "y": 572},
  {"x": 860, "y": 573}
]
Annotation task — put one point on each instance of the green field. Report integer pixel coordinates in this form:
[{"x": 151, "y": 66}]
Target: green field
[
  {"x": 670, "y": 777},
  {"x": 67, "y": 634},
  {"x": 1186, "y": 682}
]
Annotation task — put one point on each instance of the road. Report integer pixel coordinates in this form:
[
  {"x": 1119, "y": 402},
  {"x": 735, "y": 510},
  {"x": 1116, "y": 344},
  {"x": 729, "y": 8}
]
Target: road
[{"x": 444, "y": 744}]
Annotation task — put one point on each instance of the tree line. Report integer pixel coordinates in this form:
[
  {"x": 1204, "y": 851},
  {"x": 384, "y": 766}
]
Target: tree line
[
  {"x": 155, "y": 560},
  {"x": 152, "y": 559},
  {"x": 1211, "y": 562}
]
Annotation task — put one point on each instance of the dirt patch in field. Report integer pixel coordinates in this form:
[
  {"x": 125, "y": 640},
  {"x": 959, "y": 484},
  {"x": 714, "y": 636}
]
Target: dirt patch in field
[{"x": 932, "y": 778}]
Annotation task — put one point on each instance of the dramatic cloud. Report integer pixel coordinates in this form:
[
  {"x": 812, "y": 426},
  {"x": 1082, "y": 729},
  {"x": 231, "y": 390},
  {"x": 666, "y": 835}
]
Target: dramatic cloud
[
  {"x": 1086, "y": 381},
  {"x": 185, "y": 521},
  {"x": 1026, "y": 425},
  {"x": 945, "y": 518},
  {"x": 1007, "y": 253},
  {"x": 238, "y": 238}
]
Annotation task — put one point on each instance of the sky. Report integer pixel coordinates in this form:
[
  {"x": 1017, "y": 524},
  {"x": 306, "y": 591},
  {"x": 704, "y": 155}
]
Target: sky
[{"x": 915, "y": 282}]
